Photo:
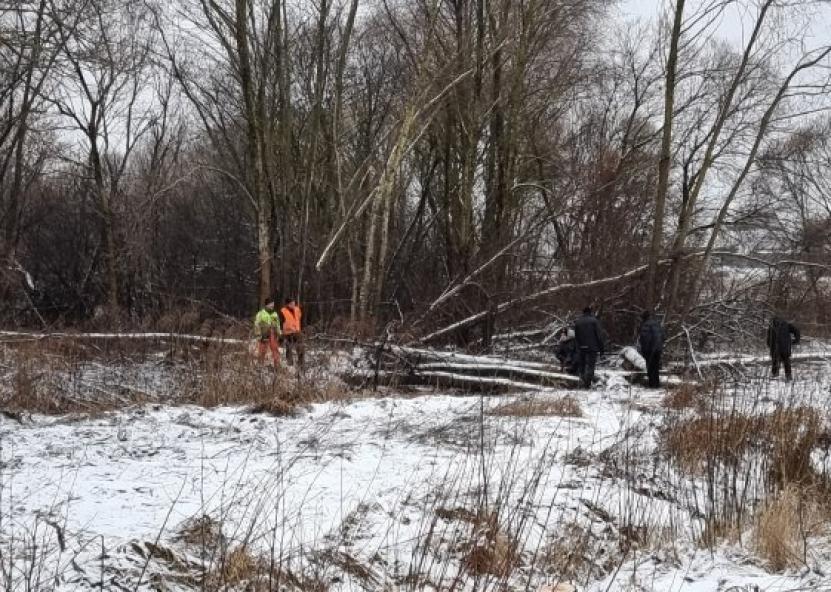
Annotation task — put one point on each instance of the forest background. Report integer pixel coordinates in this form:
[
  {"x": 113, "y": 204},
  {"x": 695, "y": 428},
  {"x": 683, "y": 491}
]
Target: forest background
[{"x": 425, "y": 166}]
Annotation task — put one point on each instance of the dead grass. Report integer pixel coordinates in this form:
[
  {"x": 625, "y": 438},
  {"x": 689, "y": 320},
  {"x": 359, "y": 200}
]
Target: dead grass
[
  {"x": 202, "y": 533},
  {"x": 741, "y": 456},
  {"x": 716, "y": 530},
  {"x": 456, "y": 514},
  {"x": 689, "y": 396},
  {"x": 786, "y": 438},
  {"x": 233, "y": 568},
  {"x": 566, "y": 406},
  {"x": 63, "y": 377},
  {"x": 793, "y": 435},
  {"x": 490, "y": 550},
  {"x": 575, "y": 553},
  {"x": 569, "y": 556},
  {"x": 696, "y": 441},
  {"x": 487, "y": 549},
  {"x": 238, "y": 568},
  {"x": 263, "y": 389},
  {"x": 346, "y": 563},
  {"x": 777, "y": 532},
  {"x": 183, "y": 320},
  {"x": 223, "y": 377},
  {"x": 38, "y": 380}
]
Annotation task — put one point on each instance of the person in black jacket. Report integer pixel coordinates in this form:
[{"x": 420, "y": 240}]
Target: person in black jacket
[
  {"x": 566, "y": 351},
  {"x": 651, "y": 342},
  {"x": 589, "y": 337},
  {"x": 779, "y": 342}
]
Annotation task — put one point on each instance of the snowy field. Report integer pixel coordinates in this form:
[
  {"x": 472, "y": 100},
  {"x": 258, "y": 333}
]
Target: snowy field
[{"x": 404, "y": 491}]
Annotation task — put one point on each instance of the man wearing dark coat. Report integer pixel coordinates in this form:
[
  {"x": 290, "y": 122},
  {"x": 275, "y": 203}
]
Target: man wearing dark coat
[
  {"x": 781, "y": 336},
  {"x": 588, "y": 334},
  {"x": 566, "y": 352},
  {"x": 651, "y": 343}
]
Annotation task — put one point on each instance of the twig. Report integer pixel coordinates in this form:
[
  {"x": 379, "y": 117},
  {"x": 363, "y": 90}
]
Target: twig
[{"x": 692, "y": 352}]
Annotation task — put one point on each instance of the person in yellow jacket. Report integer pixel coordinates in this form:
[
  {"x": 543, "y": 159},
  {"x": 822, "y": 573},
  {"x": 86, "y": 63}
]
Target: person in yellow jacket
[
  {"x": 292, "y": 334},
  {"x": 267, "y": 330}
]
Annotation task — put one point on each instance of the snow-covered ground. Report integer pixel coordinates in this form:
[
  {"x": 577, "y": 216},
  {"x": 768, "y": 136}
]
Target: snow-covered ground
[{"x": 389, "y": 482}]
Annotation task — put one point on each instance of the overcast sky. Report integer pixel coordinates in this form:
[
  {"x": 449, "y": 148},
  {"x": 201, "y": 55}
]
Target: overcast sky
[{"x": 734, "y": 24}]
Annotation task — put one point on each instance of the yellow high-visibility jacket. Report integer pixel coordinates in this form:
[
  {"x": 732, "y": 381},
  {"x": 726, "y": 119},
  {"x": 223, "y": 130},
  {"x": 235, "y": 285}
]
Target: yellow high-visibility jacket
[{"x": 265, "y": 322}]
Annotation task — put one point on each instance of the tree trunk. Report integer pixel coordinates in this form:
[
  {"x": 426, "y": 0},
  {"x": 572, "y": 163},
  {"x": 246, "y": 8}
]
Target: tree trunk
[
  {"x": 383, "y": 246},
  {"x": 12, "y": 220},
  {"x": 254, "y": 133},
  {"x": 367, "y": 283},
  {"x": 664, "y": 162},
  {"x": 105, "y": 210},
  {"x": 338, "y": 109},
  {"x": 701, "y": 265},
  {"x": 687, "y": 212}
]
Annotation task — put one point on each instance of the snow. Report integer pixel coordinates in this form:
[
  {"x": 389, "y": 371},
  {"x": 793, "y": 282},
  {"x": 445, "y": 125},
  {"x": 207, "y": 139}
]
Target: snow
[
  {"x": 365, "y": 477},
  {"x": 633, "y": 358}
]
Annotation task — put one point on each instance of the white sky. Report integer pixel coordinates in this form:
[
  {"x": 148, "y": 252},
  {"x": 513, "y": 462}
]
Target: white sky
[{"x": 735, "y": 23}]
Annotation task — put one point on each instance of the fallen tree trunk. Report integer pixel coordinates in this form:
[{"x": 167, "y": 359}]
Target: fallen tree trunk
[
  {"x": 551, "y": 291},
  {"x": 420, "y": 355},
  {"x": 762, "y": 360},
  {"x": 602, "y": 282},
  {"x": 423, "y": 366},
  {"x": 95, "y": 336},
  {"x": 438, "y": 379},
  {"x": 507, "y": 371}
]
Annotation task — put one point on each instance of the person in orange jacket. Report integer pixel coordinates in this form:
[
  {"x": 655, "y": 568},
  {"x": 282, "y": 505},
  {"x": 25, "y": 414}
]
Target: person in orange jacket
[{"x": 292, "y": 332}]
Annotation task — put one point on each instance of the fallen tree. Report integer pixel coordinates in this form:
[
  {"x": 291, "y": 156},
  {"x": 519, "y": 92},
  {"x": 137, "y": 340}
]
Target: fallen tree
[
  {"x": 589, "y": 285},
  {"x": 550, "y": 291},
  {"x": 401, "y": 365},
  {"x": 17, "y": 335}
]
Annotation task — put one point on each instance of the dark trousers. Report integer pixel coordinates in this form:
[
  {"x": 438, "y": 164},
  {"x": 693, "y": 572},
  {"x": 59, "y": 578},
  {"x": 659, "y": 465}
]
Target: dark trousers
[
  {"x": 294, "y": 345},
  {"x": 778, "y": 359},
  {"x": 653, "y": 368},
  {"x": 586, "y": 360}
]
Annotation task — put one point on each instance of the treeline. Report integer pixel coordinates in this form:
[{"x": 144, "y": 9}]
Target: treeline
[{"x": 375, "y": 156}]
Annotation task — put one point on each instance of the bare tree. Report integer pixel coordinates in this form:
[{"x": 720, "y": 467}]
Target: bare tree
[
  {"x": 738, "y": 124},
  {"x": 666, "y": 154},
  {"x": 31, "y": 46},
  {"x": 104, "y": 70},
  {"x": 238, "y": 90}
]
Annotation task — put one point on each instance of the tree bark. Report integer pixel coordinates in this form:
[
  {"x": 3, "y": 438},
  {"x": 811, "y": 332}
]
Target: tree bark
[
  {"x": 664, "y": 162},
  {"x": 254, "y": 139}
]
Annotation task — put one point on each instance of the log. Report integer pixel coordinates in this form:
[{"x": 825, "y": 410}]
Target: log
[
  {"x": 507, "y": 371},
  {"x": 633, "y": 359},
  {"x": 411, "y": 365},
  {"x": 95, "y": 336},
  {"x": 439, "y": 379},
  {"x": 424, "y": 354},
  {"x": 756, "y": 360}
]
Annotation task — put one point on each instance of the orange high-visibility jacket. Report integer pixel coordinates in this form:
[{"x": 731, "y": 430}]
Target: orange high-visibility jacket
[{"x": 291, "y": 319}]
